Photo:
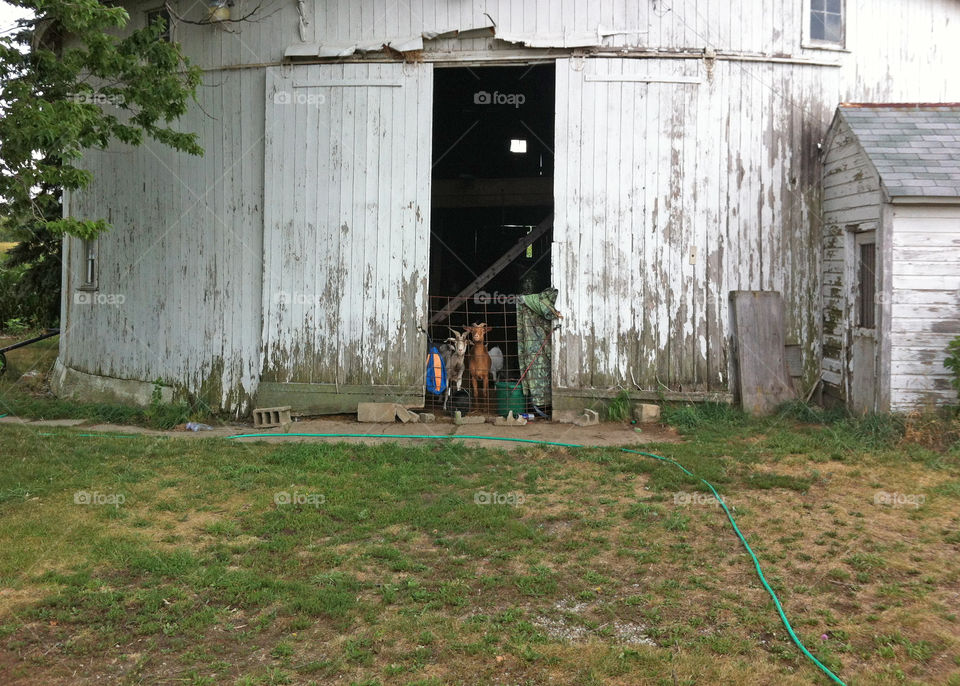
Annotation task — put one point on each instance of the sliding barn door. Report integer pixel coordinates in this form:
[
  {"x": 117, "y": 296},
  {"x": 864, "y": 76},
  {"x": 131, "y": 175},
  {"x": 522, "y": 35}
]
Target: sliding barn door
[
  {"x": 633, "y": 260},
  {"x": 346, "y": 234}
]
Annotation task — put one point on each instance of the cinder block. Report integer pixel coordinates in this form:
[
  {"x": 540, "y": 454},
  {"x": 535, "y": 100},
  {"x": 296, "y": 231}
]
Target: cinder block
[
  {"x": 267, "y": 417},
  {"x": 377, "y": 412},
  {"x": 427, "y": 418},
  {"x": 646, "y": 413},
  {"x": 460, "y": 420},
  {"x": 510, "y": 420},
  {"x": 588, "y": 418},
  {"x": 406, "y": 416}
]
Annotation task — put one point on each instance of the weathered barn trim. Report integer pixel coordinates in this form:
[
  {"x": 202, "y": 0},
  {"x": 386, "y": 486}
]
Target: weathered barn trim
[
  {"x": 921, "y": 200},
  {"x": 578, "y": 397},
  {"x": 319, "y": 398},
  {"x": 532, "y": 55}
]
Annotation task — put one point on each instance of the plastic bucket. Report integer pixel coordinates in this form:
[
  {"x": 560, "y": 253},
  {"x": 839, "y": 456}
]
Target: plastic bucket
[{"x": 510, "y": 400}]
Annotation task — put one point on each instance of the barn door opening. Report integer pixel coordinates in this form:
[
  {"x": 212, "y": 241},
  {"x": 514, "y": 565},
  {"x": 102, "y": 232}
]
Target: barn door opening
[
  {"x": 863, "y": 348},
  {"x": 492, "y": 218}
]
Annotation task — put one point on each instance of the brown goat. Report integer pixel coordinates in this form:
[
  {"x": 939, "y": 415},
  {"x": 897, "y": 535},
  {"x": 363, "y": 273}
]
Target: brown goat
[{"x": 478, "y": 361}]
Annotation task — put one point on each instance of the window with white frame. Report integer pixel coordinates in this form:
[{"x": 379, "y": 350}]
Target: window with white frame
[{"x": 827, "y": 22}]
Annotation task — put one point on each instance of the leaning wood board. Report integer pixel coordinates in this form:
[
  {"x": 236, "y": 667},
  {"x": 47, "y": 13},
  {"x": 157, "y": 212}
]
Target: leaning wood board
[{"x": 758, "y": 337}]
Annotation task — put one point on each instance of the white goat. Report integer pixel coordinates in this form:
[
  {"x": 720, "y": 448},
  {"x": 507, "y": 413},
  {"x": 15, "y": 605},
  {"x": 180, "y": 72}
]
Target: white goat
[
  {"x": 496, "y": 362},
  {"x": 453, "y": 355}
]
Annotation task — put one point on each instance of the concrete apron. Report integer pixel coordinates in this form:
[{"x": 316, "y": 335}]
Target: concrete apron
[{"x": 607, "y": 434}]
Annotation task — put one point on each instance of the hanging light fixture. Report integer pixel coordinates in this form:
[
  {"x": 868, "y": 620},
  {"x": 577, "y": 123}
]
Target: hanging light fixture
[{"x": 518, "y": 145}]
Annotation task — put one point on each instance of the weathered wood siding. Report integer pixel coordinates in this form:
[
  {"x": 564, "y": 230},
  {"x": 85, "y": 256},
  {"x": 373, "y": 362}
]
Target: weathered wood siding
[
  {"x": 669, "y": 195},
  {"x": 184, "y": 255},
  {"x": 925, "y": 304},
  {"x": 875, "y": 29},
  {"x": 852, "y": 203},
  {"x": 346, "y": 223}
]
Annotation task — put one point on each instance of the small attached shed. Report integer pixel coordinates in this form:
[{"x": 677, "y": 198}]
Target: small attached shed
[{"x": 891, "y": 254}]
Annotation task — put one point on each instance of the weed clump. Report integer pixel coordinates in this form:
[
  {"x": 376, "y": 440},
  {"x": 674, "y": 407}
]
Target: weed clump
[
  {"x": 699, "y": 416},
  {"x": 619, "y": 408}
]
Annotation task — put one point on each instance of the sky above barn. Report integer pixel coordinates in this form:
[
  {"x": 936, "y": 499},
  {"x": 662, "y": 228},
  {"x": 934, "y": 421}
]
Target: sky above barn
[{"x": 9, "y": 14}]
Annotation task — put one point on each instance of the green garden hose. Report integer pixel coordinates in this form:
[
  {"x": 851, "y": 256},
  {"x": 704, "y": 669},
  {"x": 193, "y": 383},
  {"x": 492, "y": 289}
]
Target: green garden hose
[{"x": 736, "y": 529}]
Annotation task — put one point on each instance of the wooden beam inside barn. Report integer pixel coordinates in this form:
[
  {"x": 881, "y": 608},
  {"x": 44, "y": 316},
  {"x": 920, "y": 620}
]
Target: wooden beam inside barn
[
  {"x": 494, "y": 269},
  {"x": 527, "y": 192}
]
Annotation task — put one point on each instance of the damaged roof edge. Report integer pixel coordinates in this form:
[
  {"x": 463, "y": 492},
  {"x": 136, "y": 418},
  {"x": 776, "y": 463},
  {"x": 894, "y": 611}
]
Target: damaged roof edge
[{"x": 415, "y": 42}]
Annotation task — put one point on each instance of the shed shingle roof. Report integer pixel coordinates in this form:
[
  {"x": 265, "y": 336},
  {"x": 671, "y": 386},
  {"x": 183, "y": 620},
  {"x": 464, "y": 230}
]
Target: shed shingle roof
[{"x": 915, "y": 148}]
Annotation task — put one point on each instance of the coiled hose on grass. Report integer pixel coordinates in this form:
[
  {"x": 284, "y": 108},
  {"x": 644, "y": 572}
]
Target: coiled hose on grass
[{"x": 736, "y": 529}]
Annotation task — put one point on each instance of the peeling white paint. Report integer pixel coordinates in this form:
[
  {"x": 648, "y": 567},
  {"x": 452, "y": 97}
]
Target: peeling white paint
[{"x": 715, "y": 155}]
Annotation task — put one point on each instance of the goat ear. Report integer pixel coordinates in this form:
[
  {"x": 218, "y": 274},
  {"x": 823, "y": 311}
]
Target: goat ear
[{"x": 451, "y": 340}]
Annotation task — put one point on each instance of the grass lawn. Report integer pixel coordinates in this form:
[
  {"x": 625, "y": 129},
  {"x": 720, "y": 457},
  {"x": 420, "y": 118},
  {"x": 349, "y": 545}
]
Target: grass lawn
[
  {"x": 389, "y": 566},
  {"x": 24, "y": 392},
  {"x": 38, "y": 356}
]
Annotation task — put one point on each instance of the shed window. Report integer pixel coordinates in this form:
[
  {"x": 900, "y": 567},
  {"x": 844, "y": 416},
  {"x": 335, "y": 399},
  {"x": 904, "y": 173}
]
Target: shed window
[
  {"x": 826, "y": 21},
  {"x": 867, "y": 286},
  {"x": 161, "y": 14},
  {"x": 89, "y": 267}
]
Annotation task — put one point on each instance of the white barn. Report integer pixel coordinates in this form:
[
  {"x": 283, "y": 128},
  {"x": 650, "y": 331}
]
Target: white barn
[
  {"x": 891, "y": 267},
  {"x": 674, "y": 143}
]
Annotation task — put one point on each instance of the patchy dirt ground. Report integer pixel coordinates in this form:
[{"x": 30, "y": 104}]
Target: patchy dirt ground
[
  {"x": 429, "y": 563},
  {"x": 602, "y": 435}
]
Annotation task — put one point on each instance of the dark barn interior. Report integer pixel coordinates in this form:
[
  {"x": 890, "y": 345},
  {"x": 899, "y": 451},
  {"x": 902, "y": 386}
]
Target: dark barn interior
[{"x": 492, "y": 180}]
